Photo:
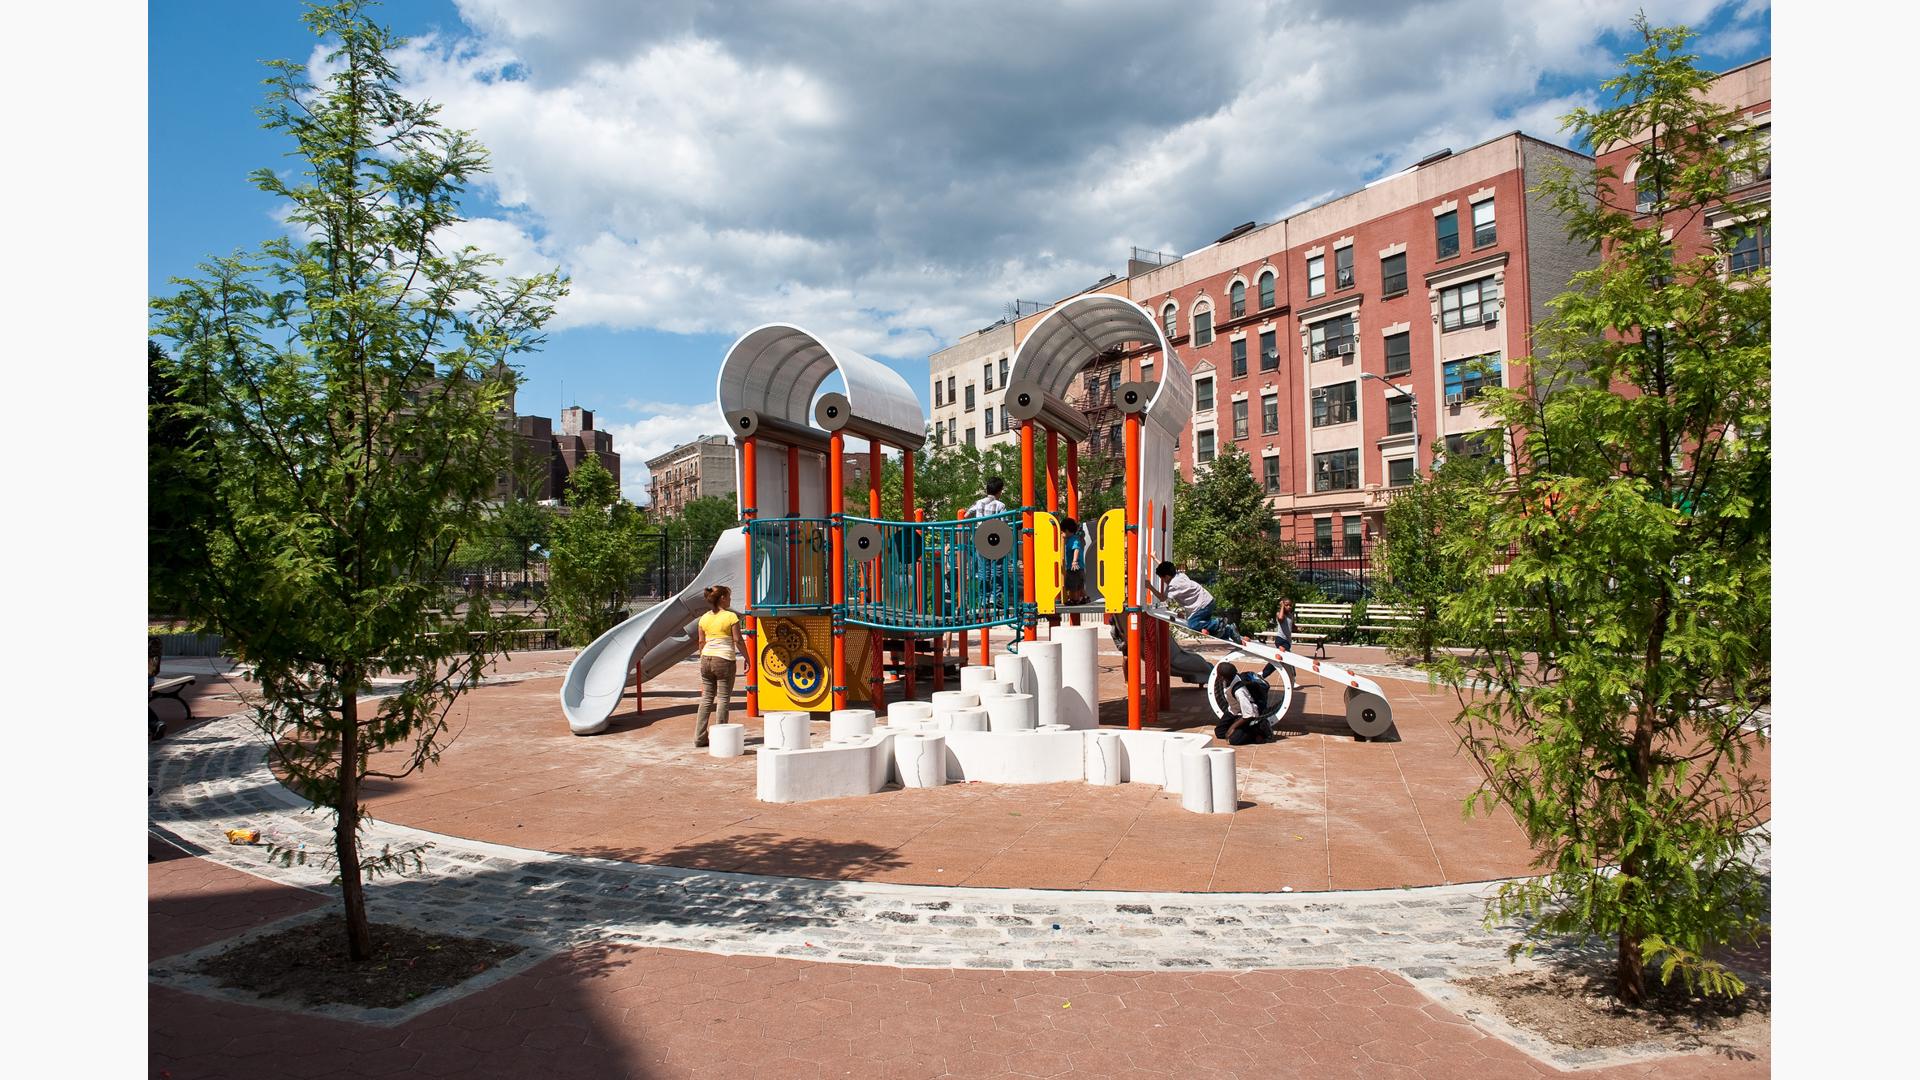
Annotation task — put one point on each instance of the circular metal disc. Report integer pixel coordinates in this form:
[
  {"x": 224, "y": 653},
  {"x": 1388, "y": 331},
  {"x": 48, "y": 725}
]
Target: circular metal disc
[
  {"x": 993, "y": 539},
  {"x": 1024, "y": 401},
  {"x": 1132, "y": 397},
  {"x": 863, "y": 542},
  {"x": 1368, "y": 715},
  {"x": 745, "y": 422},
  {"x": 833, "y": 411},
  {"x": 1277, "y": 703}
]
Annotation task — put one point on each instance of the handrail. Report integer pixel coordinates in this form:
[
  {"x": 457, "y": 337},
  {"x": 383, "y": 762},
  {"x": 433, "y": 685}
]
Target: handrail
[{"x": 930, "y": 576}]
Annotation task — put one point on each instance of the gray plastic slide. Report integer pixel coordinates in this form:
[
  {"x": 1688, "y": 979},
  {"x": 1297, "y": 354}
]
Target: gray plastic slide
[{"x": 662, "y": 635}]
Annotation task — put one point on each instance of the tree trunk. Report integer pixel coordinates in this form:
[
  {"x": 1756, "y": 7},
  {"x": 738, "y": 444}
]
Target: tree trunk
[
  {"x": 1630, "y": 975},
  {"x": 346, "y": 828}
]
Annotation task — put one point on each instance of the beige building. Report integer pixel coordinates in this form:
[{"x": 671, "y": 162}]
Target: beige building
[{"x": 691, "y": 471}]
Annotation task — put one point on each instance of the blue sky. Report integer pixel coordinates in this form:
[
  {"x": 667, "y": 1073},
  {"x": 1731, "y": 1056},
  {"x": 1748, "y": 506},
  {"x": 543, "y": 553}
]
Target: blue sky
[{"x": 888, "y": 178}]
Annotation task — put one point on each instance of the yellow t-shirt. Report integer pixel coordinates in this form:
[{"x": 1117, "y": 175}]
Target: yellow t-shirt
[{"x": 718, "y": 626}]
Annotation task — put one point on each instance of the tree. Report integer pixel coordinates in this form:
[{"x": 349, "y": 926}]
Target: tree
[
  {"x": 702, "y": 520},
  {"x": 1623, "y": 683},
  {"x": 1221, "y": 524},
  {"x": 510, "y": 534},
  {"x": 1418, "y": 570},
  {"x": 339, "y": 403},
  {"x": 597, "y": 553}
]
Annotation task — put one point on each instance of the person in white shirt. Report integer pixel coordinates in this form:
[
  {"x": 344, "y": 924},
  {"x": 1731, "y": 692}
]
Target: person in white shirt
[
  {"x": 990, "y": 573},
  {"x": 989, "y": 504},
  {"x": 1194, "y": 601}
]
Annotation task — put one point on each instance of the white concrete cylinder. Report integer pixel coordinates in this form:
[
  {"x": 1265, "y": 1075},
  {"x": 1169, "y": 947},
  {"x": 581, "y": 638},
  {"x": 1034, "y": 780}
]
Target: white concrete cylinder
[
  {"x": 1170, "y": 752},
  {"x": 949, "y": 700},
  {"x": 850, "y": 725},
  {"x": 973, "y": 675},
  {"x": 1079, "y": 675},
  {"x": 906, "y": 714},
  {"x": 792, "y": 730},
  {"x": 727, "y": 740},
  {"x": 921, "y": 759},
  {"x": 1196, "y": 782},
  {"x": 770, "y": 728},
  {"x": 995, "y": 688},
  {"x": 967, "y": 720},
  {"x": 1226, "y": 789},
  {"x": 1054, "y": 727},
  {"x": 1011, "y": 712},
  {"x": 1044, "y": 658},
  {"x": 1103, "y": 758},
  {"x": 1012, "y": 669}
]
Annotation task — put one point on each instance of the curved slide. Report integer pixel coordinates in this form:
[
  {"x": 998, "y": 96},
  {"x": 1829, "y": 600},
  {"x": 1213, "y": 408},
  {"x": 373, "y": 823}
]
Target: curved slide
[{"x": 662, "y": 635}]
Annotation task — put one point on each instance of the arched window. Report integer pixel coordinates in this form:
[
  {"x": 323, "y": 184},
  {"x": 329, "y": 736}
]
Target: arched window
[
  {"x": 1202, "y": 324},
  {"x": 1170, "y": 316},
  {"x": 1237, "y": 299},
  {"x": 1266, "y": 290}
]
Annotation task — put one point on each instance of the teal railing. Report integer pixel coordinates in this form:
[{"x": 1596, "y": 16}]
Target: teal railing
[
  {"x": 933, "y": 576},
  {"x": 790, "y": 561}
]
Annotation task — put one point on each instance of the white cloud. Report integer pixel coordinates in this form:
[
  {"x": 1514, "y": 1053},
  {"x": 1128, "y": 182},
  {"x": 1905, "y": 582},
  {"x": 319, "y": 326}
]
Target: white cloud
[
  {"x": 660, "y": 428},
  {"x": 891, "y": 177}
]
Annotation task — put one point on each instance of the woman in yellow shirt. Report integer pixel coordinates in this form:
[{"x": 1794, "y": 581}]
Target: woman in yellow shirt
[{"x": 720, "y": 646}]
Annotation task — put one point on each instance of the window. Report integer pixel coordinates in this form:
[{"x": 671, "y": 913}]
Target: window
[
  {"x": 1399, "y": 414},
  {"x": 1483, "y": 230},
  {"x": 969, "y": 397},
  {"x": 1333, "y": 337},
  {"x": 969, "y": 436},
  {"x": 1752, "y": 248},
  {"x": 1759, "y": 164},
  {"x": 1645, "y": 194},
  {"x": 1203, "y": 326},
  {"x": 1270, "y": 480},
  {"x": 1343, "y": 267},
  {"x": 1115, "y": 441},
  {"x": 1464, "y": 379},
  {"x": 1269, "y": 351},
  {"x": 1333, "y": 404},
  {"x": 1237, "y": 300},
  {"x": 988, "y": 382},
  {"x": 1337, "y": 471},
  {"x": 1400, "y": 472},
  {"x": 1470, "y": 304},
  {"x": 1169, "y": 315},
  {"x": 989, "y": 421},
  {"x": 1203, "y": 394},
  {"x": 951, "y": 397},
  {"x": 1350, "y": 525},
  {"x": 1323, "y": 537},
  {"x": 1317, "y": 275},
  {"x": 1477, "y": 446},
  {"x": 1270, "y": 413},
  {"x": 950, "y": 430},
  {"x": 939, "y": 395},
  {"x": 1003, "y": 371},
  {"x": 1239, "y": 358},
  {"x": 1399, "y": 353},
  {"x": 1113, "y": 383},
  {"x": 1266, "y": 290},
  {"x": 1203, "y": 447},
  {"x": 1146, "y": 371},
  {"x": 1393, "y": 275},
  {"x": 1446, "y": 235},
  {"x": 1240, "y": 420}
]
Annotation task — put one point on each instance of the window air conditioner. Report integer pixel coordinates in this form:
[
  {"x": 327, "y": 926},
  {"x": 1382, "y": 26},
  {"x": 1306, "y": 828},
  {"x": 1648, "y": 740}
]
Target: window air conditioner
[
  {"x": 1345, "y": 348},
  {"x": 1456, "y": 399},
  {"x": 1490, "y": 318}
]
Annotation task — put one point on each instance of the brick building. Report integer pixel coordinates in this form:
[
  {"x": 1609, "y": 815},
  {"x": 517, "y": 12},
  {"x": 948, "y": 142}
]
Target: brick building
[
  {"x": 691, "y": 471},
  {"x": 546, "y": 460}
]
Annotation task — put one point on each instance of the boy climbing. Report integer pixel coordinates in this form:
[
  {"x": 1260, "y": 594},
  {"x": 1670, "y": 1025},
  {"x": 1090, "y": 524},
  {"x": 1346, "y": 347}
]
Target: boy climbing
[{"x": 1193, "y": 600}]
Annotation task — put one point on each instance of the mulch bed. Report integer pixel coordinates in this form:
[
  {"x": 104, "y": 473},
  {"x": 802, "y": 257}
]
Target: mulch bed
[
  {"x": 308, "y": 965},
  {"x": 1577, "y": 1009}
]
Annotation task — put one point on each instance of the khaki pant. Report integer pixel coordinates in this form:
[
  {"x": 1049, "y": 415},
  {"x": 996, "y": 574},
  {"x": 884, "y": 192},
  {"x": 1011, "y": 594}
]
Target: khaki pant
[{"x": 716, "y": 690}]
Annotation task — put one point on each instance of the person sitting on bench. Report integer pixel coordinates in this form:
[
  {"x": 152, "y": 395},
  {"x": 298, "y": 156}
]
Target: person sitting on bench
[{"x": 1194, "y": 600}]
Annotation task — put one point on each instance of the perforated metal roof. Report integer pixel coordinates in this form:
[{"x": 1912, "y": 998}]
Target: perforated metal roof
[{"x": 777, "y": 370}]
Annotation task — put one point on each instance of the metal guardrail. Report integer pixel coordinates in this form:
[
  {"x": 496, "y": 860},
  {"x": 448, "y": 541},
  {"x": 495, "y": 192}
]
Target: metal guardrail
[
  {"x": 790, "y": 562},
  {"x": 934, "y": 575}
]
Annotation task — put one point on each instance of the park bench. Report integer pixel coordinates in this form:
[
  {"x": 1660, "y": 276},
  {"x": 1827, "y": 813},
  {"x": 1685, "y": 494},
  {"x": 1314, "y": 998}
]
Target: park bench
[{"x": 167, "y": 688}]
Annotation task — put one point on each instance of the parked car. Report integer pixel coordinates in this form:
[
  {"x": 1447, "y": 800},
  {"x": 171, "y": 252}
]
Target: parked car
[{"x": 1336, "y": 586}]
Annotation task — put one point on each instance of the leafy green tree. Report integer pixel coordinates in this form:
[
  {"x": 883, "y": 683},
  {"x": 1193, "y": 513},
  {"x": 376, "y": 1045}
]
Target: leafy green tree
[
  {"x": 1418, "y": 570},
  {"x": 511, "y": 534},
  {"x": 335, "y": 420},
  {"x": 1625, "y": 680},
  {"x": 598, "y": 551},
  {"x": 1221, "y": 524},
  {"x": 702, "y": 520}
]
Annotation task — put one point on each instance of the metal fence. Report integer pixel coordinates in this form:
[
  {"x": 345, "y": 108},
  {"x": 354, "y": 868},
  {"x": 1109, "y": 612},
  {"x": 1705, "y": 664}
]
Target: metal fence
[{"x": 1340, "y": 570}]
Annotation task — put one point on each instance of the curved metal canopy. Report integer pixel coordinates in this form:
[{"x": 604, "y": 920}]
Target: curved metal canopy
[
  {"x": 777, "y": 369},
  {"x": 1078, "y": 331}
]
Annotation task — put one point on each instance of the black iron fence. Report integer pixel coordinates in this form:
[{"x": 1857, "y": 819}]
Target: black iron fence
[{"x": 1339, "y": 570}]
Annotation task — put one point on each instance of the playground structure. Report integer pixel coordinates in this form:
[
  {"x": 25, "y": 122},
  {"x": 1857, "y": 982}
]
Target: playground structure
[{"x": 828, "y": 594}]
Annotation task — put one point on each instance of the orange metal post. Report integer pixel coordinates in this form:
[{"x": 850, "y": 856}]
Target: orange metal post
[
  {"x": 1073, "y": 498},
  {"x": 749, "y": 496},
  {"x": 1026, "y": 529},
  {"x": 836, "y": 506},
  {"x": 907, "y": 513},
  {"x": 1133, "y": 570},
  {"x": 1053, "y": 467},
  {"x": 876, "y": 460}
]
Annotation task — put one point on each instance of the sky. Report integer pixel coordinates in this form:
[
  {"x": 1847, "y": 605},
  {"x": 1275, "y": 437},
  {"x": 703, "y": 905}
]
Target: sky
[{"x": 887, "y": 175}]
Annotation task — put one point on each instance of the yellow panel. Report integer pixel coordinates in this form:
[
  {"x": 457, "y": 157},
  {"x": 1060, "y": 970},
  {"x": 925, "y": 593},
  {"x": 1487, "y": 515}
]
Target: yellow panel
[
  {"x": 1047, "y": 560},
  {"x": 796, "y": 663},
  {"x": 1110, "y": 569}
]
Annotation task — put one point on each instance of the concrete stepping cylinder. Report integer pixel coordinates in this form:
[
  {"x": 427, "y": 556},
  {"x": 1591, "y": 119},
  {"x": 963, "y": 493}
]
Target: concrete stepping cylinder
[
  {"x": 727, "y": 740},
  {"x": 1196, "y": 781},
  {"x": 788, "y": 730},
  {"x": 850, "y": 725},
  {"x": 1079, "y": 675},
  {"x": 921, "y": 758},
  {"x": 1043, "y": 658},
  {"x": 1225, "y": 784},
  {"x": 1103, "y": 758}
]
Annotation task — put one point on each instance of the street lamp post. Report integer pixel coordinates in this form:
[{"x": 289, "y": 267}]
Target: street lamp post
[{"x": 1413, "y": 407}]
